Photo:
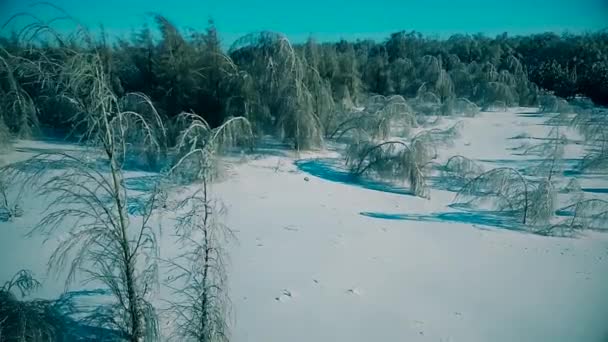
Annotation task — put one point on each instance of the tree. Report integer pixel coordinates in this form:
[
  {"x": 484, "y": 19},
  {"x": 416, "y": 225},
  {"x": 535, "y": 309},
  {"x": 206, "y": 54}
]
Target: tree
[
  {"x": 178, "y": 69},
  {"x": 508, "y": 191},
  {"x": 552, "y": 152},
  {"x": 198, "y": 145},
  {"x": 197, "y": 275},
  {"x": 402, "y": 74},
  {"x": 18, "y": 108},
  {"x": 103, "y": 241},
  {"x": 459, "y": 170},
  {"x": 380, "y": 117},
  {"x": 376, "y": 72},
  {"x": 10, "y": 194},
  {"x": 281, "y": 87},
  {"x": 583, "y": 214},
  {"x": 496, "y": 93},
  {"x": 393, "y": 160},
  {"x": 592, "y": 124}
]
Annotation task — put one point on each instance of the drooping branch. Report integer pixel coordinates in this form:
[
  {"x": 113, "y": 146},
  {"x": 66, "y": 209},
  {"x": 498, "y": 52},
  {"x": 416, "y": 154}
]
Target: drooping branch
[
  {"x": 394, "y": 160},
  {"x": 506, "y": 186}
]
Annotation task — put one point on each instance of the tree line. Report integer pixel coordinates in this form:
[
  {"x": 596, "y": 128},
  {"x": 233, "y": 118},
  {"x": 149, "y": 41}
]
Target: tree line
[{"x": 300, "y": 92}]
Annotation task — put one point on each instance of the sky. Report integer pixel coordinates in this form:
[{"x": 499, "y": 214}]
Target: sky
[{"x": 330, "y": 20}]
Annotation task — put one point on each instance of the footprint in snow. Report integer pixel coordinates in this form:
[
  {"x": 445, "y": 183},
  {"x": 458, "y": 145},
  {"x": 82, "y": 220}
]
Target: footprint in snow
[
  {"x": 286, "y": 295},
  {"x": 353, "y": 292},
  {"x": 337, "y": 240},
  {"x": 418, "y": 325},
  {"x": 291, "y": 228}
]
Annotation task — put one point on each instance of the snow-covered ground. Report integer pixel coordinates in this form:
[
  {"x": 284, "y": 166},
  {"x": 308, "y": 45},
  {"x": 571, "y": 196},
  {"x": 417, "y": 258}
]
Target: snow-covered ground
[{"x": 320, "y": 259}]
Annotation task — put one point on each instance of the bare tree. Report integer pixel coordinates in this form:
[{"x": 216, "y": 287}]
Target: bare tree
[
  {"x": 399, "y": 160},
  {"x": 201, "y": 305},
  {"x": 394, "y": 160},
  {"x": 507, "y": 190},
  {"x": 198, "y": 145},
  {"x": 19, "y": 111},
  {"x": 583, "y": 214},
  {"x": 5, "y": 134},
  {"x": 426, "y": 102},
  {"x": 436, "y": 137},
  {"x": 459, "y": 170},
  {"x": 198, "y": 279},
  {"x": 460, "y": 106},
  {"x": 550, "y": 103},
  {"x": 10, "y": 194},
  {"x": 496, "y": 95},
  {"x": 92, "y": 207},
  {"x": 552, "y": 152},
  {"x": 593, "y": 124},
  {"x": 381, "y": 116},
  {"x": 282, "y": 90}
]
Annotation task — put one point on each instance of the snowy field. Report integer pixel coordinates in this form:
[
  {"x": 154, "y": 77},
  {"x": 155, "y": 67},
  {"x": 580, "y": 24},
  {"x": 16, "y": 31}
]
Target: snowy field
[{"x": 319, "y": 258}]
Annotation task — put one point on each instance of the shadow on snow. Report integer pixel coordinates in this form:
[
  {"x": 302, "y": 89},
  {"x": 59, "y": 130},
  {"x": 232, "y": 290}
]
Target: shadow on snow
[
  {"x": 331, "y": 170},
  {"x": 74, "y": 316},
  {"x": 464, "y": 214},
  {"x": 528, "y": 166},
  {"x": 85, "y": 315},
  {"x": 447, "y": 182},
  {"x": 596, "y": 190},
  {"x": 142, "y": 183},
  {"x": 491, "y": 219}
]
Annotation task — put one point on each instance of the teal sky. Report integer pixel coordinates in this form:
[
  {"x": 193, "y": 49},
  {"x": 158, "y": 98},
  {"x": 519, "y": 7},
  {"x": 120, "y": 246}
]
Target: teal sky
[{"x": 332, "y": 20}]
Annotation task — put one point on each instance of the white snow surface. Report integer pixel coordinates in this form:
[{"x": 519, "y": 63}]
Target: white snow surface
[{"x": 308, "y": 266}]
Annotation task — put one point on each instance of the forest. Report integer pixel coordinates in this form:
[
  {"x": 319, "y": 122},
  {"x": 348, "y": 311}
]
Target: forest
[
  {"x": 271, "y": 82},
  {"x": 176, "y": 103}
]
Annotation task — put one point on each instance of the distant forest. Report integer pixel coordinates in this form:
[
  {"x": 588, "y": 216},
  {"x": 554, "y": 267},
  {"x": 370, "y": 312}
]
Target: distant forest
[{"x": 299, "y": 91}]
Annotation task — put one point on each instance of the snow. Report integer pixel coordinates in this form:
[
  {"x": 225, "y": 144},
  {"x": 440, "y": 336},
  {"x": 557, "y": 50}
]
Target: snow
[{"x": 311, "y": 264}]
